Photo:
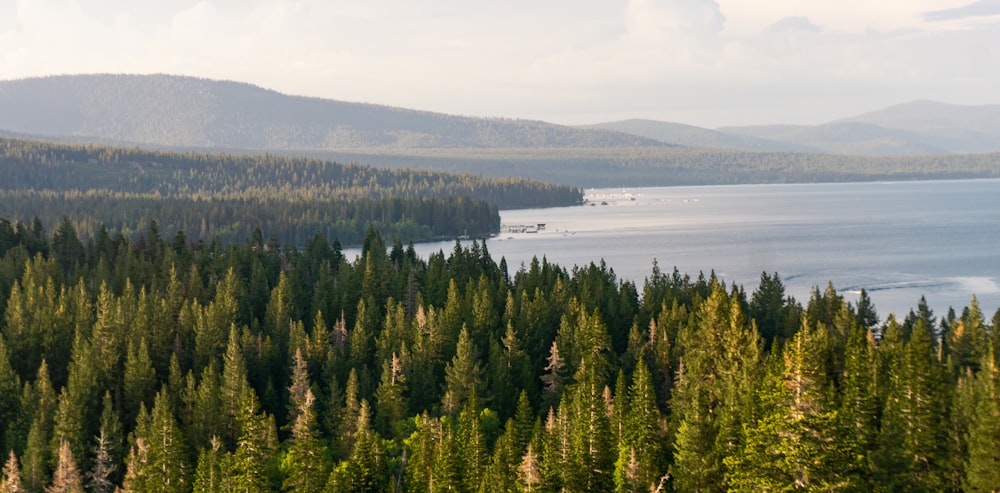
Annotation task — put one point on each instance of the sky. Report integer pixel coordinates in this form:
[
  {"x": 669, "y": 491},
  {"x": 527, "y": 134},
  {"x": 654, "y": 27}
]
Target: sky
[{"x": 710, "y": 63}]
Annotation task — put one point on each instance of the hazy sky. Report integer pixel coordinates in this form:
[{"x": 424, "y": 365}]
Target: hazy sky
[{"x": 703, "y": 62}]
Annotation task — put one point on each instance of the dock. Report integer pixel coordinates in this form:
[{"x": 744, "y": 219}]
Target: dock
[{"x": 522, "y": 228}]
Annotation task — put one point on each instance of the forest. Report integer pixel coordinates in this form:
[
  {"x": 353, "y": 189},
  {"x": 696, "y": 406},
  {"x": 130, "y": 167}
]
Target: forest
[
  {"x": 662, "y": 166},
  {"x": 228, "y": 197},
  {"x": 161, "y": 364}
]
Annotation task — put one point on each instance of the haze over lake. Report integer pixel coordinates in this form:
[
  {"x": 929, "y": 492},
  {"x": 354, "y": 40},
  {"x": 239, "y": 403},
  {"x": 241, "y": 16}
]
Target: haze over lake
[{"x": 897, "y": 240}]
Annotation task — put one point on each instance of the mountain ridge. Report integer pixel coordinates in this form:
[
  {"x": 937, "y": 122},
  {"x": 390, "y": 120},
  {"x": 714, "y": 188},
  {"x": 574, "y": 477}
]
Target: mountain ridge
[
  {"x": 915, "y": 128},
  {"x": 189, "y": 111}
]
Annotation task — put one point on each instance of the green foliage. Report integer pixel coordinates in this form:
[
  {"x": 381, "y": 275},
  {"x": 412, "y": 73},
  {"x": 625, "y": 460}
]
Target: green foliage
[
  {"x": 157, "y": 461},
  {"x": 407, "y": 389},
  {"x": 101, "y": 190}
]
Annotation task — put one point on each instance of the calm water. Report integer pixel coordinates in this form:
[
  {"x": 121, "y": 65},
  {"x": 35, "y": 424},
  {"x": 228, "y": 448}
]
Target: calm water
[{"x": 898, "y": 240}]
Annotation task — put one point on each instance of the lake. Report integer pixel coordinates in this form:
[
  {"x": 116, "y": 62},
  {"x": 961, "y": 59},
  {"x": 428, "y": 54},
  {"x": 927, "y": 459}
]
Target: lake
[{"x": 897, "y": 240}]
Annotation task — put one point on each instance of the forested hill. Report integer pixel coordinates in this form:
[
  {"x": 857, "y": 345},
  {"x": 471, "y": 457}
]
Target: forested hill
[
  {"x": 163, "y": 366},
  {"x": 223, "y": 196},
  {"x": 190, "y": 112}
]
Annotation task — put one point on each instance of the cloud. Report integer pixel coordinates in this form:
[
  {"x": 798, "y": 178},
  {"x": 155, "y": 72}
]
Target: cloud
[
  {"x": 572, "y": 61},
  {"x": 655, "y": 19},
  {"x": 982, "y": 8},
  {"x": 794, "y": 24}
]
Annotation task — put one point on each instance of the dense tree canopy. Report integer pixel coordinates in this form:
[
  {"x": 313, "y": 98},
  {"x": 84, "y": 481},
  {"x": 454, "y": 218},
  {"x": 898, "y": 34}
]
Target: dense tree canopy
[
  {"x": 229, "y": 197},
  {"x": 160, "y": 365}
]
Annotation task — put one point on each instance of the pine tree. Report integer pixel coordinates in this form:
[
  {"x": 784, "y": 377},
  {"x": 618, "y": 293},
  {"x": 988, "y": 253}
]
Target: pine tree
[
  {"x": 157, "y": 459},
  {"x": 642, "y": 446},
  {"x": 364, "y": 470},
  {"x": 447, "y": 464},
  {"x": 529, "y": 476},
  {"x": 108, "y": 335},
  {"x": 25, "y": 346},
  {"x": 139, "y": 379},
  {"x": 36, "y": 455},
  {"x": 484, "y": 315},
  {"x": 35, "y": 459},
  {"x": 500, "y": 474},
  {"x": 981, "y": 471},
  {"x": 553, "y": 381},
  {"x": 99, "y": 478},
  {"x": 233, "y": 387},
  {"x": 389, "y": 397},
  {"x": 350, "y": 415},
  {"x": 205, "y": 416},
  {"x": 423, "y": 445},
  {"x": 760, "y": 465},
  {"x": 860, "y": 401},
  {"x": 10, "y": 387},
  {"x": 255, "y": 448},
  {"x": 360, "y": 345},
  {"x": 278, "y": 314},
  {"x": 213, "y": 474},
  {"x": 67, "y": 478},
  {"x": 10, "y": 479},
  {"x": 712, "y": 399},
  {"x": 305, "y": 466},
  {"x": 111, "y": 428},
  {"x": 463, "y": 376},
  {"x": 696, "y": 467},
  {"x": 74, "y": 420},
  {"x": 912, "y": 439},
  {"x": 592, "y": 446},
  {"x": 471, "y": 443}
]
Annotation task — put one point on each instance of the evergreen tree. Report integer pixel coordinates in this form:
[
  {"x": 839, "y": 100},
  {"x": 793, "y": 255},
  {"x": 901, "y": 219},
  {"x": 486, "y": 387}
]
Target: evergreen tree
[
  {"x": 776, "y": 320},
  {"x": 696, "y": 467},
  {"x": 860, "y": 401},
  {"x": 463, "y": 376},
  {"x": 139, "y": 384},
  {"x": 10, "y": 479},
  {"x": 35, "y": 459},
  {"x": 364, "y": 470},
  {"x": 981, "y": 471},
  {"x": 66, "y": 246},
  {"x": 107, "y": 339},
  {"x": 390, "y": 402},
  {"x": 912, "y": 439},
  {"x": 640, "y": 454},
  {"x": 471, "y": 441},
  {"x": 10, "y": 387},
  {"x": 213, "y": 474},
  {"x": 157, "y": 460},
  {"x": 423, "y": 446},
  {"x": 206, "y": 416},
  {"x": 529, "y": 475},
  {"x": 67, "y": 478},
  {"x": 712, "y": 399},
  {"x": 796, "y": 441},
  {"x": 255, "y": 448},
  {"x": 74, "y": 420},
  {"x": 233, "y": 387},
  {"x": 867, "y": 316},
  {"x": 501, "y": 473},
  {"x": 447, "y": 465},
  {"x": 99, "y": 478},
  {"x": 592, "y": 451},
  {"x": 305, "y": 466},
  {"x": 553, "y": 381}
]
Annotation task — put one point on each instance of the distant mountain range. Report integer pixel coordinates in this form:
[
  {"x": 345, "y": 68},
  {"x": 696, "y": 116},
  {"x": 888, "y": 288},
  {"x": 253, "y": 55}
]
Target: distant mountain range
[
  {"x": 179, "y": 111},
  {"x": 917, "y": 128},
  {"x": 188, "y": 112}
]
